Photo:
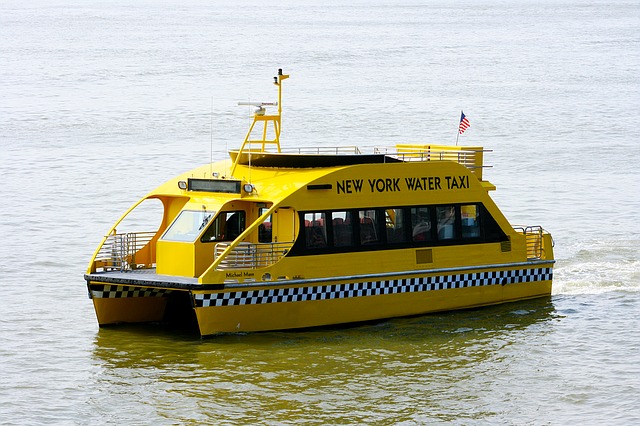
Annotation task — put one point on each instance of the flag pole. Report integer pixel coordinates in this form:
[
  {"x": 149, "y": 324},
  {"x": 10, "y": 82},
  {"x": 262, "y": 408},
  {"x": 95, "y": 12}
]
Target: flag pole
[
  {"x": 458, "y": 132},
  {"x": 462, "y": 125}
]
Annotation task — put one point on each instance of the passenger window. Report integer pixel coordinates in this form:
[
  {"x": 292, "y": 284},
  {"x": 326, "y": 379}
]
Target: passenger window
[
  {"x": 491, "y": 231},
  {"x": 395, "y": 224},
  {"x": 316, "y": 230},
  {"x": 470, "y": 221},
  {"x": 227, "y": 226},
  {"x": 342, "y": 228},
  {"x": 368, "y": 227},
  {"x": 446, "y": 222},
  {"x": 264, "y": 229},
  {"x": 420, "y": 224}
]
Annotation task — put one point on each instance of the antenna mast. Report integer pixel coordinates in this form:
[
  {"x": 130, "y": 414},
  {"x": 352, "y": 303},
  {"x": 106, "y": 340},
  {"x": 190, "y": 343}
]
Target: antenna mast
[
  {"x": 260, "y": 115},
  {"x": 211, "y": 141}
]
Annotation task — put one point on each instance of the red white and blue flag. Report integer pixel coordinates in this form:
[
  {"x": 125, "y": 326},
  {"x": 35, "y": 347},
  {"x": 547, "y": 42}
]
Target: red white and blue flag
[{"x": 464, "y": 123}]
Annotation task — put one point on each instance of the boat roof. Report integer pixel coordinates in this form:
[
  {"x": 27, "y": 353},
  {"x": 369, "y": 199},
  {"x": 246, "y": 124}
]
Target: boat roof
[
  {"x": 303, "y": 160},
  {"x": 280, "y": 173}
]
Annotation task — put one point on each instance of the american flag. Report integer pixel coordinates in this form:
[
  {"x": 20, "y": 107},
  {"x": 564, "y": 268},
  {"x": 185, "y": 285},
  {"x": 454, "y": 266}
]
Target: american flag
[{"x": 464, "y": 123}]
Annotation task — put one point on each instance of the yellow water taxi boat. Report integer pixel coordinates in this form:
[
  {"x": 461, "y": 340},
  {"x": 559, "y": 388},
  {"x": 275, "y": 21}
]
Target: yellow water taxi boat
[{"x": 271, "y": 240}]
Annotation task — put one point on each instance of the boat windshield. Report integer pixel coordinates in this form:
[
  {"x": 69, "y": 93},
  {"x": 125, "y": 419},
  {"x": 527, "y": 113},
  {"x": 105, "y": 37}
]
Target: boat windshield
[{"x": 188, "y": 225}]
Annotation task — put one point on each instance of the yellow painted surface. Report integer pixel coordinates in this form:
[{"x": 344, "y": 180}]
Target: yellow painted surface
[
  {"x": 175, "y": 258},
  {"x": 287, "y": 315},
  {"x": 129, "y": 309},
  {"x": 285, "y": 224}
]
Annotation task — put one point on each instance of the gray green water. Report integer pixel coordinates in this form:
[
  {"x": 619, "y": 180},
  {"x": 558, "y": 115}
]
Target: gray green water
[{"x": 101, "y": 102}]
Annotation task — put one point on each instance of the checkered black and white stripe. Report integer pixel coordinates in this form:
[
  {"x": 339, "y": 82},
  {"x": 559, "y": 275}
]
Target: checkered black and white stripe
[
  {"x": 107, "y": 291},
  {"x": 372, "y": 288}
]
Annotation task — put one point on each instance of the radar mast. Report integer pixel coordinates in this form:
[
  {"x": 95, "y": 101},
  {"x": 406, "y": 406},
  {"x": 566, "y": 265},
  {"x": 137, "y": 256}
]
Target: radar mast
[{"x": 259, "y": 144}]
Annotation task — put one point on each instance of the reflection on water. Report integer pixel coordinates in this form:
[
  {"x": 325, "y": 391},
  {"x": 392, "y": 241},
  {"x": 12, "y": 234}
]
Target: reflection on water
[{"x": 410, "y": 369}]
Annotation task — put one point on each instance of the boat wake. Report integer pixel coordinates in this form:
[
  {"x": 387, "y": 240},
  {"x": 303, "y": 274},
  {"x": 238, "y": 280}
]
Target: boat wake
[{"x": 598, "y": 266}]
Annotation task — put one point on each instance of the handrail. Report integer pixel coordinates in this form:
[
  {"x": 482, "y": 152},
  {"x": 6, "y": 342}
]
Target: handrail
[
  {"x": 214, "y": 265},
  {"x": 466, "y": 158},
  {"x": 118, "y": 252},
  {"x": 250, "y": 255},
  {"x": 470, "y": 157},
  {"x": 337, "y": 150},
  {"x": 533, "y": 235}
]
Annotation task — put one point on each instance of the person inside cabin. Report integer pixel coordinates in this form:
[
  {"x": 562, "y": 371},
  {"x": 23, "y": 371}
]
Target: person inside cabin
[
  {"x": 422, "y": 229},
  {"x": 446, "y": 222}
]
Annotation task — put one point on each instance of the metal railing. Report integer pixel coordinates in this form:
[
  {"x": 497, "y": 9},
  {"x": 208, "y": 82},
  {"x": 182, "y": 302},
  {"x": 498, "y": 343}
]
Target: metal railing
[
  {"x": 337, "y": 150},
  {"x": 250, "y": 255},
  {"x": 471, "y": 159},
  {"x": 119, "y": 251},
  {"x": 533, "y": 235}
]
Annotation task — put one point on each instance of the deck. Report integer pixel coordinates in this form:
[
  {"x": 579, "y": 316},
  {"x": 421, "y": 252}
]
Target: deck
[{"x": 145, "y": 278}]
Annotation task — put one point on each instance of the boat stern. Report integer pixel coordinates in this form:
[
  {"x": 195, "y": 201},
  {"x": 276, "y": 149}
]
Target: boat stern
[{"x": 126, "y": 304}]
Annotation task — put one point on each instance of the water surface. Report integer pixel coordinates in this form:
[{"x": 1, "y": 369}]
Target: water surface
[{"x": 101, "y": 102}]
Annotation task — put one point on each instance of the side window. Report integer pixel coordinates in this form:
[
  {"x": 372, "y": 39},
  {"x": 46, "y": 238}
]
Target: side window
[
  {"x": 446, "y": 222},
  {"x": 342, "y": 225},
  {"x": 227, "y": 226},
  {"x": 470, "y": 221},
  {"x": 369, "y": 221},
  {"x": 264, "y": 229},
  {"x": 396, "y": 226},
  {"x": 420, "y": 224},
  {"x": 491, "y": 231},
  {"x": 316, "y": 230}
]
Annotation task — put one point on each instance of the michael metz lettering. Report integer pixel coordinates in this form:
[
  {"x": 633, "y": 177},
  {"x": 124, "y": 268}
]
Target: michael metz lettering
[
  {"x": 424, "y": 183},
  {"x": 239, "y": 274}
]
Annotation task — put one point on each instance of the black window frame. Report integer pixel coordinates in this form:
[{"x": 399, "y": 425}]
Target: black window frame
[
  {"x": 490, "y": 231},
  {"x": 242, "y": 225}
]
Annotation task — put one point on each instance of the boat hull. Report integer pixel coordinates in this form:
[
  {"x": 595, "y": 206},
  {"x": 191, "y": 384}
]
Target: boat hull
[
  {"x": 115, "y": 304},
  {"x": 243, "y": 309},
  {"x": 266, "y": 306}
]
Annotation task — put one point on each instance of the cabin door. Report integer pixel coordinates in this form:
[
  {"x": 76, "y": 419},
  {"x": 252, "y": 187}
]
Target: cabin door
[{"x": 284, "y": 225}]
